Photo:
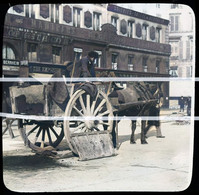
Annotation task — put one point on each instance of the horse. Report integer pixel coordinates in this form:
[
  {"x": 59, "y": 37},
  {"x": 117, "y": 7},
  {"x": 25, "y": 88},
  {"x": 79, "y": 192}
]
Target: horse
[{"x": 140, "y": 100}]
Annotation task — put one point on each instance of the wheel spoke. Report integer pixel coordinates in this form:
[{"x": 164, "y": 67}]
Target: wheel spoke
[
  {"x": 37, "y": 135},
  {"x": 78, "y": 127},
  {"x": 75, "y": 108},
  {"x": 99, "y": 106},
  {"x": 55, "y": 133},
  {"x": 43, "y": 138},
  {"x": 88, "y": 103},
  {"x": 82, "y": 103},
  {"x": 31, "y": 131},
  {"x": 94, "y": 103},
  {"x": 96, "y": 128},
  {"x": 49, "y": 136},
  {"x": 103, "y": 123},
  {"x": 104, "y": 113},
  {"x": 84, "y": 129}
]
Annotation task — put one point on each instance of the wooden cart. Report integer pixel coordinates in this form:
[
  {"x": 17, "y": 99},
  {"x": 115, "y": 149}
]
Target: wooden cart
[{"x": 41, "y": 135}]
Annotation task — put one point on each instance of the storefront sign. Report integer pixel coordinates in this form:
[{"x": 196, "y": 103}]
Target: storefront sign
[
  {"x": 43, "y": 68},
  {"x": 34, "y": 36},
  {"x": 11, "y": 62},
  {"x": 11, "y": 68},
  {"x": 132, "y": 13}
]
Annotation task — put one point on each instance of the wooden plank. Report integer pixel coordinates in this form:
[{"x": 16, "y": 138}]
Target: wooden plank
[{"x": 92, "y": 146}]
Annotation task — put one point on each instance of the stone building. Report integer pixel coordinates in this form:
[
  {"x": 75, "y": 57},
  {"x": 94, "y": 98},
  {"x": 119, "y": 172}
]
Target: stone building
[
  {"x": 39, "y": 38},
  {"x": 182, "y": 41}
]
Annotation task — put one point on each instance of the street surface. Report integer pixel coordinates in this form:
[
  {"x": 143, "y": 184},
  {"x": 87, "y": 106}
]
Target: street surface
[{"x": 165, "y": 164}]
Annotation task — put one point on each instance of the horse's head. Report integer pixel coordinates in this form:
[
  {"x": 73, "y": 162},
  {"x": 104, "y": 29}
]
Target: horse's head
[{"x": 156, "y": 90}]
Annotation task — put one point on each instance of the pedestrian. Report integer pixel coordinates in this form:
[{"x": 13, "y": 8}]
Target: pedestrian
[
  {"x": 189, "y": 106},
  {"x": 181, "y": 102}
]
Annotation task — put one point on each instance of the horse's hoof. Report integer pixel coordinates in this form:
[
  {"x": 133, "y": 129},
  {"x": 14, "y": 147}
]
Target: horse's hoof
[
  {"x": 132, "y": 142},
  {"x": 144, "y": 142},
  {"x": 160, "y": 136}
]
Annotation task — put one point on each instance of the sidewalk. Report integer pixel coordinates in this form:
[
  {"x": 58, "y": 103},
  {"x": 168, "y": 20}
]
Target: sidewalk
[{"x": 167, "y": 111}]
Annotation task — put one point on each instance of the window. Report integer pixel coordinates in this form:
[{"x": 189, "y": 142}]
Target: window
[
  {"x": 114, "y": 61},
  {"x": 29, "y": 11},
  {"x": 180, "y": 50},
  {"x": 56, "y": 52},
  {"x": 8, "y": 52},
  {"x": 158, "y": 31},
  {"x": 174, "y": 50},
  {"x": 77, "y": 53},
  {"x": 130, "y": 29},
  {"x": 191, "y": 49},
  {"x": 174, "y": 21},
  {"x": 114, "y": 21},
  {"x": 188, "y": 50},
  {"x": 32, "y": 51},
  {"x": 188, "y": 71},
  {"x": 173, "y": 6},
  {"x": 96, "y": 21},
  {"x": 144, "y": 64},
  {"x": 76, "y": 17},
  {"x": 55, "y": 13},
  {"x": 157, "y": 68},
  {"x": 144, "y": 31},
  {"x": 130, "y": 63},
  {"x": 98, "y": 61}
]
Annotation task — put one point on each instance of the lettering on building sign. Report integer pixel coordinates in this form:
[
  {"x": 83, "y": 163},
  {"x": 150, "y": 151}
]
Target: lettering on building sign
[
  {"x": 11, "y": 62},
  {"x": 11, "y": 68},
  {"x": 13, "y": 33},
  {"x": 136, "y": 14},
  {"x": 42, "y": 69}
]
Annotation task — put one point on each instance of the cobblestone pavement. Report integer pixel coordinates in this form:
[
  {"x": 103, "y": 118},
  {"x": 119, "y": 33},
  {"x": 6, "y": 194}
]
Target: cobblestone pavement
[{"x": 164, "y": 164}]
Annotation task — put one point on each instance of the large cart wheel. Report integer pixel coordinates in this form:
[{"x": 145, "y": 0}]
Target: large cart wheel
[
  {"x": 83, "y": 105},
  {"x": 41, "y": 135}
]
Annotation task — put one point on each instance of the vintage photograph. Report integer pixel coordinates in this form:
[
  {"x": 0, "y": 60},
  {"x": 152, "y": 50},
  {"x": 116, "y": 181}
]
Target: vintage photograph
[{"x": 98, "y": 97}]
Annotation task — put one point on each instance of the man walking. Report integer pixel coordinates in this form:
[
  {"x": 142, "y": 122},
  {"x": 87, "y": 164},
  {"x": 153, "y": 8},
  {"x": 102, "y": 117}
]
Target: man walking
[{"x": 181, "y": 102}]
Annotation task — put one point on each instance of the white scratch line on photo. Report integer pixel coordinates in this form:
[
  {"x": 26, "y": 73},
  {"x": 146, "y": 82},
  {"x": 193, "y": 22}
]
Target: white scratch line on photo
[
  {"x": 99, "y": 79},
  {"x": 77, "y": 118}
]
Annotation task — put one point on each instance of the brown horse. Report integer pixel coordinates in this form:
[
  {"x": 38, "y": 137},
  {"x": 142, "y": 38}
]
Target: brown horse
[{"x": 140, "y": 100}]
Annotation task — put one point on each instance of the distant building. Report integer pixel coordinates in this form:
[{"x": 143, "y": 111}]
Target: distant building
[
  {"x": 181, "y": 39},
  {"x": 41, "y": 37}
]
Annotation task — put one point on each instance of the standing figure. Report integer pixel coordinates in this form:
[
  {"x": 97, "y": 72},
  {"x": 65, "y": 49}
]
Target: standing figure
[
  {"x": 181, "y": 102},
  {"x": 189, "y": 106}
]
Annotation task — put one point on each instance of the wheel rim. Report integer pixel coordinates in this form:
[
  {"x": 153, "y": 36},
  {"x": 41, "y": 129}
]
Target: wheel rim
[
  {"x": 83, "y": 105},
  {"x": 42, "y": 136}
]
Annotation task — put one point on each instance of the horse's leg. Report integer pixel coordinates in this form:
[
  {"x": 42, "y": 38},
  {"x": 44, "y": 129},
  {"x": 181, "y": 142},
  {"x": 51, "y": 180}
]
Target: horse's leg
[
  {"x": 157, "y": 125},
  {"x": 144, "y": 130},
  {"x": 114, "y": 134},
  {"x": 133, "y": 127}
]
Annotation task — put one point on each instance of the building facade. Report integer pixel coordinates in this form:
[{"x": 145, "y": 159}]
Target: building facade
[
  {"x": 182, "y": 41},
  {"x": 42, "y": 37}
]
